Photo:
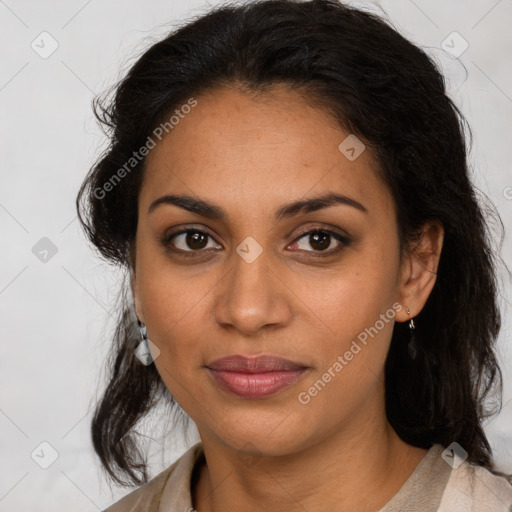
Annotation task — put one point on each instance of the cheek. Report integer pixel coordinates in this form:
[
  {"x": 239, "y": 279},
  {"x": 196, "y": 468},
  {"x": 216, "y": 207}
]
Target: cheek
[
  {"x": 171, "y": 295},
  {"x": 175, "y": 330},
  {"x": 347, "y": 301},
  {"x": 351, "y": 355},
  {"x": 354, "y": 310},
  {"x": 355, "y": 305},
  {"x": 175, "y": 308}
]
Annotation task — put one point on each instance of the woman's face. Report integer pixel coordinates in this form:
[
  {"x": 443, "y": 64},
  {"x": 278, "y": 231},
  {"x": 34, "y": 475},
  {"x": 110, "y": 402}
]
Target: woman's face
[{"x": 253, "y": 284}]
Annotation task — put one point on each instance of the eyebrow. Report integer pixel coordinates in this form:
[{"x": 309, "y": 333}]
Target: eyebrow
[{"x": 212, "y": 211}]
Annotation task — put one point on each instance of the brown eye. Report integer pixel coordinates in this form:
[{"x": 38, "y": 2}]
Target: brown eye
[
  {"x": 190, "y": 240},
  {"x": 196, "y": 240},
  {"x": 321, "y": 241}
]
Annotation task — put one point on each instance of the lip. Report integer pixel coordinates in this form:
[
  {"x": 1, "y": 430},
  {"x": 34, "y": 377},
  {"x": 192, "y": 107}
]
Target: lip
[
  {"x": 257, "y": 364},
  {"x": 255, "y": 377}
]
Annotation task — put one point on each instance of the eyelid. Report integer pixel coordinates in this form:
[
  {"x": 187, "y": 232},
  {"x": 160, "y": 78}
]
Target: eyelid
[{"x": 324, "y": 228}]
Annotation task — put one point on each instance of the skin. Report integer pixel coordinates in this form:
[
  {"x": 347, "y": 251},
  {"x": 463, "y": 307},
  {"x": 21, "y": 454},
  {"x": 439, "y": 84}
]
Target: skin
[{"x": 250, "y": 155}]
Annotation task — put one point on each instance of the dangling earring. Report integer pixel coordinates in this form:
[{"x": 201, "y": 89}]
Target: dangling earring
[
  {"x": 411, "y": 347},
  {"x": 142, "y": 351}
]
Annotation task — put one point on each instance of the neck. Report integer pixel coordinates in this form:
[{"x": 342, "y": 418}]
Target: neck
[{"x": 333, "y": 474}]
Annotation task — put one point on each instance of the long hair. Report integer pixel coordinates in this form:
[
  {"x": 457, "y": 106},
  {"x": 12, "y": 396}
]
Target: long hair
[{"x": 375, "y": 84}]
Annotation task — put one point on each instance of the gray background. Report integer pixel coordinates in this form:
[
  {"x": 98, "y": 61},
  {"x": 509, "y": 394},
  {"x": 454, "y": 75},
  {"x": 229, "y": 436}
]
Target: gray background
[{"x": 55, "y": 314}]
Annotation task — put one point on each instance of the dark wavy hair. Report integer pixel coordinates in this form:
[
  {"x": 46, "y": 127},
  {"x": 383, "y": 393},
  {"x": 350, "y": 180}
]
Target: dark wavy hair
[{"x": 390, "y": 93}]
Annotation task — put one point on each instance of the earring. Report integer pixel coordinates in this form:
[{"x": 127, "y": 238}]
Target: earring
[
  {"x": 143, "y": 351},
  {"x": 411, "y": 347}
]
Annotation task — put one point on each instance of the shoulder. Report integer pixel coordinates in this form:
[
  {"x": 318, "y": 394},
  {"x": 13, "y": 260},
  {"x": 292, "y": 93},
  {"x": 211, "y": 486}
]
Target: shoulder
[
  {"x": 473, "y": 488},
  {"x": 175, "y": 479}
]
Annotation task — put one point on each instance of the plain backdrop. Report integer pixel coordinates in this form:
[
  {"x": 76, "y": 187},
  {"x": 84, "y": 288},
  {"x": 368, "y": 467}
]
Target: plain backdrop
[{"x": 57, "y": 296}]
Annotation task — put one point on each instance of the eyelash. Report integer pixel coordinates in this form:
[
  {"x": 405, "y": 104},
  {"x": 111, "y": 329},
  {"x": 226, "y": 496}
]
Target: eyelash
[{"x": 344, "y": 242}]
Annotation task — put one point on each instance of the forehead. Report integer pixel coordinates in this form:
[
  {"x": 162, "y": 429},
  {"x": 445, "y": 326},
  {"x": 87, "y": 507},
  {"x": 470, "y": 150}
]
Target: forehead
[{"x": 264, "y": 148}]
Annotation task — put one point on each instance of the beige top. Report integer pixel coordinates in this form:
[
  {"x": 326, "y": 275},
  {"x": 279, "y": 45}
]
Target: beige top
[{"x": 432, "y": 487}]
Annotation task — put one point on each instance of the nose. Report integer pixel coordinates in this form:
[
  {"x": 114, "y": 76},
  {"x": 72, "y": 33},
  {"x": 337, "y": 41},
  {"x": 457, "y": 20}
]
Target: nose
[{"x": 252, "y": 296}]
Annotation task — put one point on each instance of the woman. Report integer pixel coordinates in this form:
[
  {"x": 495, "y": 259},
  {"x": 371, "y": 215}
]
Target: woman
[{"x": 308, "y": 264}]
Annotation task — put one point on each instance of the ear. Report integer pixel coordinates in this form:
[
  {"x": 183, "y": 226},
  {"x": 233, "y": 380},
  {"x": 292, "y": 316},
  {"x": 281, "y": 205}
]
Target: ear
[
  {"x": 418, "y": 270},
  {"x": 136, "y": 297}
]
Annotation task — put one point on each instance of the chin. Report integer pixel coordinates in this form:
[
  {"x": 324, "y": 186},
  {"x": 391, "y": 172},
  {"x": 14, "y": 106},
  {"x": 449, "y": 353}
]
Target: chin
[{"x": 257, "y": 438}]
